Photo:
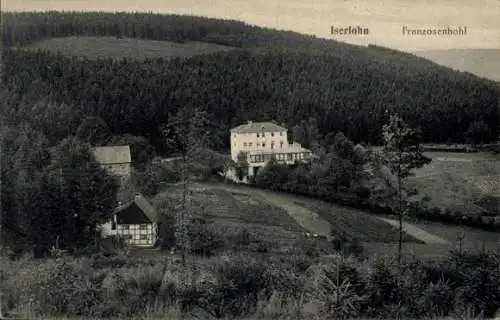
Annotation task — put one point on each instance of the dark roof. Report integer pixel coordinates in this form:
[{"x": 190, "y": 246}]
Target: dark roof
[
  {"x": 255, "y": 127},
  {"x": 131, "y": 212}
]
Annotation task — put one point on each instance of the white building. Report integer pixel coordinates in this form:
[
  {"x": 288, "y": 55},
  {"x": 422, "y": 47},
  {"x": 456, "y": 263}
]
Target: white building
[{"x": 262, "y": 140}]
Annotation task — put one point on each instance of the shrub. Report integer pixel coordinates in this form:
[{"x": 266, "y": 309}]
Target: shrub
[
  {"x": 204, "y": 240},
  {"x": 64, "y": 289},
  {"x": 347, "y": 244},
  {"x": 337, "y": 287},
  {"x": 310, "y": 248},
  {"x": 239, "y": 285},
  {"x": 243, "y": 238}
]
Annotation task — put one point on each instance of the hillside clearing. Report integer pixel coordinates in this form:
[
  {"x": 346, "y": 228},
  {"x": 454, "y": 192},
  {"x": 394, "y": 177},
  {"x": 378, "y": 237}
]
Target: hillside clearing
[
  {"x": 474, "y": 238},
  {"x": 232, "y": 213},
  {"x": 119, "y": 48},
  {"x": 457, "y": 180}
]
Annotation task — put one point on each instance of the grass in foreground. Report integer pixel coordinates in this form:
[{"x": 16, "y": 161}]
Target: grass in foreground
[
  {"x": 118, "y": 48},
  {"x": 240, "y": 287}
]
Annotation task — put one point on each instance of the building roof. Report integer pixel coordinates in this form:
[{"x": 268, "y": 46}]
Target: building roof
[
  {"x": 255, "y": 127},
  {"x": 112, "y": 154},
  {"x": 143, "y": 205}
]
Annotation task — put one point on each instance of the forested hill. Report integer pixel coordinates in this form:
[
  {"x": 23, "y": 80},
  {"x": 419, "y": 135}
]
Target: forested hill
[{"x": 272, "y": 75}]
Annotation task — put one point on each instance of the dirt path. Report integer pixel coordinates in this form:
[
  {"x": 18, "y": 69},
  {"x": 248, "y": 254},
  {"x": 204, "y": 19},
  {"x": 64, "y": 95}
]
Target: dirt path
[
  {"x": 417, "y": 232},
  {"x": 306, "y": 218},
  {"x": 311, "y": 221}
]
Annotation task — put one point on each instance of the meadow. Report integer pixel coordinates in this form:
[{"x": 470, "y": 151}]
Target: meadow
[
  {"x": 459, "y": 180},
  {"x": 119, "y": 48}
]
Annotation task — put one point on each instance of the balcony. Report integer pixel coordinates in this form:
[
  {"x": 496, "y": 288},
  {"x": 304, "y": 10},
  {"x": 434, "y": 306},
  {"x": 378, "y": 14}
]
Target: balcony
[{"x": 281, "y": 157}]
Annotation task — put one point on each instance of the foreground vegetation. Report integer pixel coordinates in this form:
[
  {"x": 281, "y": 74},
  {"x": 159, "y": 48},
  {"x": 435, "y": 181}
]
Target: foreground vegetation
[{"x": 236, "y": 286}]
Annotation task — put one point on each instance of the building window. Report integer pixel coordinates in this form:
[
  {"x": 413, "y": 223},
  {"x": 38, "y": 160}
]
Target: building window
[
  {"x": 258, "y": 135},
  {"x": 143, "y": 237},
  {"x": 125, "y": 227},
  {"x": 113, "y": 225},
  {"x": 244, "y": 144},
  {"x": 289, "y": 156},
  {"x": 143, "y": 227},
  {"x": 263, "y": 144},
  {"x": 272, "y": 144},
  {"x": 281, "y": 134},
  {"x": 272, "y": 134},
  {"x": 250, "y": 144},
  {"x": 281, "y": 144},
  {"x": 258, "y": 144}
]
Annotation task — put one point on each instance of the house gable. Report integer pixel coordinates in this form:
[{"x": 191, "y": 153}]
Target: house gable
[
  {"x": 132, "y": 214},
  {"x": 139, "y": 211}
]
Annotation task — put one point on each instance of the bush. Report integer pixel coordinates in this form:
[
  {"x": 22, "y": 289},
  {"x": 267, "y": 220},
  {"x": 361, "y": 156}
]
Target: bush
[
  {"x": 204, "y": 240},
  {"x": 64, "y": 289},
  {"x": 239, "y": 285},
  {"x": 347, "y": 244},
  {"x": 337, "y": 287},
  {"x": 243, "y": 238}
]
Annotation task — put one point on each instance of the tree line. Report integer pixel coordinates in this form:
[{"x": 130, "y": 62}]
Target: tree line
[{"x": 52, "y": 197}]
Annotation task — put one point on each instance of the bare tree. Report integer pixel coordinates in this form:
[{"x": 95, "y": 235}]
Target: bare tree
[
  {"x": 401, "y": 154},
  {"x": 187, "y": 132}
]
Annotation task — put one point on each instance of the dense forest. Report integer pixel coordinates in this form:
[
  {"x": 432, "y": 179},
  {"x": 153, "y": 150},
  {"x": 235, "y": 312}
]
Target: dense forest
[{"x": 276, "y": 75}]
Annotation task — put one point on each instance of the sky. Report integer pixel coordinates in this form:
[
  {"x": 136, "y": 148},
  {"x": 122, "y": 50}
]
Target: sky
[{"x": 383, "y": 19}]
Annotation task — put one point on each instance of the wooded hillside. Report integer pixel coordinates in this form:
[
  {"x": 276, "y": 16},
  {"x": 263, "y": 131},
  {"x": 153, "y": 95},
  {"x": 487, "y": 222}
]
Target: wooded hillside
[{"x": 274, "y": 75}]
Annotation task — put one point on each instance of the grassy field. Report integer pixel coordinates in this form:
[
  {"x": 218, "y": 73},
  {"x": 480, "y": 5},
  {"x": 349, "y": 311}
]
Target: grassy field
[
  {"x": 112, "y": 47},
  {"x": 231, "y": 213},
  {"x": 474, "y": 238},
  {"x": 458, "y": 180},
  {"x": 232, "y": 209},
  {"x": 365, "y": 227}
]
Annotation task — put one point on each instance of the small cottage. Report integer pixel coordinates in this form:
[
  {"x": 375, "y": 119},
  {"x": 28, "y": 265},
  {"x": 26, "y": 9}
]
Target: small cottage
[{"x": 136, "y": 222}]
